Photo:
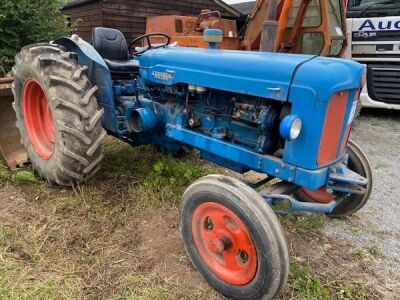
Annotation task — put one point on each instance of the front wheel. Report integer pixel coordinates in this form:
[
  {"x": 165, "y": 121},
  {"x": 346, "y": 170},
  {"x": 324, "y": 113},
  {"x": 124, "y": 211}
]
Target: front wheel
[
  {"x": 234, "y": 239},
  {"x": 358, "y": 163}
]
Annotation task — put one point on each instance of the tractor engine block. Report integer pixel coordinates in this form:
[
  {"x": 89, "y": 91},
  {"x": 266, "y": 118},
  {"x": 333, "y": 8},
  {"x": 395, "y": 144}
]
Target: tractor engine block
[
  {"x": 144, "y": 110},
  {"x": 239, "y": 119}
]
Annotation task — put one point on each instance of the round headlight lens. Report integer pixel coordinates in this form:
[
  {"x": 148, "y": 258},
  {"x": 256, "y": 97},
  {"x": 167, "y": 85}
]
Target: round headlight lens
[
  {"x": 295, "y": 129},
  {"x": 290, "y": 127}
]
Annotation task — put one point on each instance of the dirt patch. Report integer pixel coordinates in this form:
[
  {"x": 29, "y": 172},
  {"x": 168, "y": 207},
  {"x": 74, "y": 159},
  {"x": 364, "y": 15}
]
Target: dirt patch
[{"x": 11, "y": 204}]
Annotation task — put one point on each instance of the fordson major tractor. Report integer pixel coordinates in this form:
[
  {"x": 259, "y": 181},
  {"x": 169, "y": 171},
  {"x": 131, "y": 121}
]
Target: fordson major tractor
[{"x": 287, "y": 116}]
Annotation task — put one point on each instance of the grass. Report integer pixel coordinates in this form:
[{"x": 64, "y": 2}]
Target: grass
[
  {"x": 381, "y": 165},
  {"x": 87, "y": 242},
  {"x": 311, "y": 287},
  {"x": 20, "y": 176},
  {"x": 18, "y": 279},
  {"x": 144, "y": 287},
  {"x": 352, "y": 229},
  {"x": 305, "y": 284},
  {"x": 153, "y": 178},
  {"x": 305, "y": 222},
  {"x": 376, "y": 251}
]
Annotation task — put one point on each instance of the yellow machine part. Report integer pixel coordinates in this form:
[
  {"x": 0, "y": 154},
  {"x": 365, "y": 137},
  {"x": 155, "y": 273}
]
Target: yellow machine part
[{"x": 11, "y": 149}]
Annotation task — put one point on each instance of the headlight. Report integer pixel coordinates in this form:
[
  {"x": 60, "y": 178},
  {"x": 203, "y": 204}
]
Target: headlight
[{"x": 290, "y": 127}]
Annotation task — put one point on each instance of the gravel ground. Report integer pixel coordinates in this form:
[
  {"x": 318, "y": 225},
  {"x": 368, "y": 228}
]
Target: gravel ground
[{"x": 376, "y": 228}]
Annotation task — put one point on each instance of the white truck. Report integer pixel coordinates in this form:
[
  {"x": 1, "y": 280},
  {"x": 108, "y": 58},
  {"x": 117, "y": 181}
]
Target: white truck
[{"x": 374, "y": 39}]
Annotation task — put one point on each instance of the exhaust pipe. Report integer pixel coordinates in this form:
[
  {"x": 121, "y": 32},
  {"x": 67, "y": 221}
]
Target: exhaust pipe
[{"x": 142, "y": 120}]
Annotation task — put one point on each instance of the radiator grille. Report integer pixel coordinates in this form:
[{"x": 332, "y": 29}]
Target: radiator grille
[
  {"x": 384, "y": 82},
  {"x": 376, "y": 36},
  {"x": 333, "y": 127}
]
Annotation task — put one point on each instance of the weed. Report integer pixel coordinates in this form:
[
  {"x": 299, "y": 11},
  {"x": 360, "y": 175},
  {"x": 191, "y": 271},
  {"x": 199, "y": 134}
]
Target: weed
[
  {"x": 305, "y": 284},
  {"x": 361, "y": 253},
  {"x": 352, "y": 229},
  {"x": 382, "y": 165},
  {"x": 152, "y": 178},
  {"x": 24, "y": 177},
  {"x": 376, "y": 251},
  {"x": 4, "y": 173},
  {"x": 353, "y": 291},
  {"x": 306, "y": 222},
  {"x": 308, "y": 285}
]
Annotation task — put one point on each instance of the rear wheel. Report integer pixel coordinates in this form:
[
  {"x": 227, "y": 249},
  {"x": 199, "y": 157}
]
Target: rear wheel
[
  {"x": 358, "y": 163},
  {"x": 57, "y": 114},
  {"x": 234, "y": 239}
]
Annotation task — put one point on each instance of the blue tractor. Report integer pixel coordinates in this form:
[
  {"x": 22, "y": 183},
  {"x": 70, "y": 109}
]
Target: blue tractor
[{"x": 287, "y": 116}]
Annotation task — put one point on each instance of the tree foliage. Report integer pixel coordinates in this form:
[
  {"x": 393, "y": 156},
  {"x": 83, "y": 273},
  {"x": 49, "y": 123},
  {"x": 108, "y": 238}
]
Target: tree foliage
[{"x": 23, "y": 22}]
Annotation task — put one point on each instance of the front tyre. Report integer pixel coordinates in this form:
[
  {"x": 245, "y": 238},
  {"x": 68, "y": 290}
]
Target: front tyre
[
  {"x": 57, "y": 114},
  {"x": 234, "y": 239},
  {"x": 358, "y": 163}
]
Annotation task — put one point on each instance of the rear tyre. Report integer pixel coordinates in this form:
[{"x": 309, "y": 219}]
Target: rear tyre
[
  {"x": 57, "y": 114},
  {"x": 234, "y": 239},
  {"x": 358, "y": 163}
]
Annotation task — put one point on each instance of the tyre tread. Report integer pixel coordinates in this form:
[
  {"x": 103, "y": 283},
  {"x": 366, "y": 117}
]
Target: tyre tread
[{"x": 75, "y": 110}]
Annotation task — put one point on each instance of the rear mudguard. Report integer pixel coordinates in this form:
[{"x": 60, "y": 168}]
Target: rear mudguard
[{"x": 98, "y": 74}]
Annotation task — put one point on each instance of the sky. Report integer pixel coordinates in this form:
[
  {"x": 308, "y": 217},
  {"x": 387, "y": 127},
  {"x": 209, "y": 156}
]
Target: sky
[{"x": 236, "y": 1}]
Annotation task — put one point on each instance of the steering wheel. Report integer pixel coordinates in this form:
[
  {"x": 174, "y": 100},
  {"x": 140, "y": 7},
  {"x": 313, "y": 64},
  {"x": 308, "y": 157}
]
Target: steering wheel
[{"x": 150, "y": 46}]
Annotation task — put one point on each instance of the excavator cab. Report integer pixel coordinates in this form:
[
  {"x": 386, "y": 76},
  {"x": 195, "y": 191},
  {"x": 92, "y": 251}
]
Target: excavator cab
[
  {"x": 312, "y": 27},
  {"x": 305, "y": 26}
]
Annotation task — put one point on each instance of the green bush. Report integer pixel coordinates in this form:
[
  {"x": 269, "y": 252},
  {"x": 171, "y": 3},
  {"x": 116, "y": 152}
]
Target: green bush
[{"x": 23, "y": 22}]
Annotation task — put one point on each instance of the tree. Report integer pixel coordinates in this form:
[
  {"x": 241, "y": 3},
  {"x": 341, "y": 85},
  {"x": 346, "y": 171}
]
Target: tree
[{"x": 23, "y": 22}]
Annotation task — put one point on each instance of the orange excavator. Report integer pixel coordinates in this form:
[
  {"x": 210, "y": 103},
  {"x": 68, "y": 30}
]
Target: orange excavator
[{"x": 291, "y": 26}]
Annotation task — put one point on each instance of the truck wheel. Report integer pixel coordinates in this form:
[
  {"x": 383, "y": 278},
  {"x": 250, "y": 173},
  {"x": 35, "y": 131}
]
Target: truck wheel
[
  {"x": 234, "y": 239},
  {"x": 57, "y": 114},
  {"x": 358, "y": 163}
]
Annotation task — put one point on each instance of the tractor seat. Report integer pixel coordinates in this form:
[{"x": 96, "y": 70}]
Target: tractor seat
[
  {"x": 113, "y": 48},
  {"x": 122, "y": 66}
]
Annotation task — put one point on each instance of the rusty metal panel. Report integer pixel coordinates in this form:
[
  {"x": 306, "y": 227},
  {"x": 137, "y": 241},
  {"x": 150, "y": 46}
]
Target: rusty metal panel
[
  {"x": 186, "y": 26},
  {"x": 198, "y": 42},
  {"x": 11, "y": 149},
  {"x": 184, "y": 30}
]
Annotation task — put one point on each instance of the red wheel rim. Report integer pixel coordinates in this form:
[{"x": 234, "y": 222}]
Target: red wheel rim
[
  {"x": 38, "y": 119},
  {"x": 321, "y": 195},
  {"x": 224, "y": 243}
]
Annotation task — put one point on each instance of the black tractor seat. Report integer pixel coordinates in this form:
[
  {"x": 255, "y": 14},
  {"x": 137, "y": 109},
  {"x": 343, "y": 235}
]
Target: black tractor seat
[
  {"x": 113, "y": 48},
  {"x": 122, "y": 66}
]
